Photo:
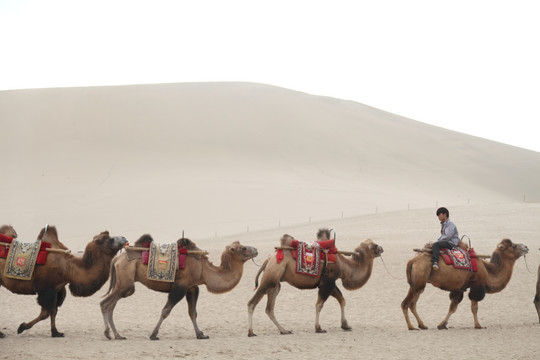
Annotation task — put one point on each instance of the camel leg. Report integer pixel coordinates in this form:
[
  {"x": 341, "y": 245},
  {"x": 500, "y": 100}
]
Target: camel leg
[
  {"x": 455, "y": 297},
  {"x": 176, "y": 294},
  {"x": 474, "y": 309},
  {"x": 272, "y": 293},
  {"x": 44, "y": 313},
  {"x": 60, "y": 297},
  {"x": 252, "y": 303},
  {"x": 537, "y": 296},
  {"x": 410, "y": 303},
  {"x": 341, "y": 300},
  {"x": 54, "y": 331},
  {"x": 325, "y": 289},
  {"x": 536, "y": 304},
  {"x": 192, "y": 296},
  {"x": 47, "y": 298},
  {"x": 107, "y": 309}
]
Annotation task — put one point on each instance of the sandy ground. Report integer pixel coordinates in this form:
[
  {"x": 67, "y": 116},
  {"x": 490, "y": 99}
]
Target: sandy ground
[{"x": 379, "y": 331}]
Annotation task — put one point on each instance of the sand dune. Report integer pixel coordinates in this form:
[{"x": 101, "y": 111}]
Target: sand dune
[
  {"x": 222, "y": 158},
  {"x": 249, "y": 162}
]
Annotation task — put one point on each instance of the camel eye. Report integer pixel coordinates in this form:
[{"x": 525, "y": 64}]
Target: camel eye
[{"x": 244, "y": 248}]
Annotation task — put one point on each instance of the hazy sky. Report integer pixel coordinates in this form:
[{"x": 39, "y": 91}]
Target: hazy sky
[{"x": 471, "y": 66}]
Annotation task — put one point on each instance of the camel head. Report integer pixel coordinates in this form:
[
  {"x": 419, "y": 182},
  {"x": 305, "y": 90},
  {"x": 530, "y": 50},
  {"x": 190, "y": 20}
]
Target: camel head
[
  {"x": 108, "y": 244},
  {"x": 8, "y": 230},
  {"x": 239, "y": 252},
  {"x": 507, "y": 249},
  {"x": 367, "y": 248}
]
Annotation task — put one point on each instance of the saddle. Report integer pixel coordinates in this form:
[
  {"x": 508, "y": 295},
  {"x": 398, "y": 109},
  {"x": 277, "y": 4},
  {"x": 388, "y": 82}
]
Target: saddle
[
  {"x": 308, "y": 256},
  {"x": 145, "y": 254},
  {"x": 42, "y": 254},
  {"x": 460, "y": 258}
]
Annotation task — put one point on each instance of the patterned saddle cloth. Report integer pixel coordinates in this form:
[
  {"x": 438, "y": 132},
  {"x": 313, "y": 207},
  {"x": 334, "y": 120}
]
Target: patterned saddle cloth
[
  {"x": 42, "y": 255},
  {"x": 309, "y": 256},
  {"x": 21, "y": 259},
  {"x": 308, "y": 259},
  {"x": 460, "y": 258},
  {"x": 162, "y": 262}
]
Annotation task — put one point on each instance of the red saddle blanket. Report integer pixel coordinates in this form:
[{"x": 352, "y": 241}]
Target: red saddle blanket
[
  {"x": 42, "y": 255},
  {"x": 182, "y": 252},
  {"x": 460, "y": 258},
  {"x": 326, "y": 247}
]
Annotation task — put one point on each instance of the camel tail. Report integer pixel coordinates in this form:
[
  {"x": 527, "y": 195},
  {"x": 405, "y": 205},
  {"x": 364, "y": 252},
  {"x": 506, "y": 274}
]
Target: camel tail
[
  {"x": 409, "y": 273},
  {"x": 263, "y": 266},
  {"x": 112, "y": 276}
]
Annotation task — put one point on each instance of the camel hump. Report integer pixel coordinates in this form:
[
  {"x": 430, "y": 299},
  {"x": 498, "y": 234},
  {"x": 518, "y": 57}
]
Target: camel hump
[
  {"x": 145, "y": 239},
  {"x": 9, "y": 231},
  {"x": 286, "y": 240},
  {"x": 49, "y": 234}
]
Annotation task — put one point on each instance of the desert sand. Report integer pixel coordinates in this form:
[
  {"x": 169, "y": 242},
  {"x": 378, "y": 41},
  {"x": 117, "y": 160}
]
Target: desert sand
[{"x": 250, "y": 162}]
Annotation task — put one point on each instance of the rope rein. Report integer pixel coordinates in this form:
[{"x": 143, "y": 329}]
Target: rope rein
[{"x": 388, "y": 271}]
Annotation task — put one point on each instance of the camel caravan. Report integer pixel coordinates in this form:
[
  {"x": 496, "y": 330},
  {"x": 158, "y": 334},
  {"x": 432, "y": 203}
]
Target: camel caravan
[{"x": 45, "y": 267}]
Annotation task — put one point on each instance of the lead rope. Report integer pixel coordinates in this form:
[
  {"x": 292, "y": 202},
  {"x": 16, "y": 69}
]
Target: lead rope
[
  {"x": 526, "y": 264},
  {"x": 388, "y": 271},
  {"x": 253, "y": 259}
]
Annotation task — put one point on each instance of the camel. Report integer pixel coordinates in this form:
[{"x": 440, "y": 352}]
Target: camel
[
  {"x": 491, "y": 277},
  {"x": 198, "y": 270},
  {"x": 354, "y": 273},
  {"x": 537, "y": 297},
  {"x": 84, "y": 275}
]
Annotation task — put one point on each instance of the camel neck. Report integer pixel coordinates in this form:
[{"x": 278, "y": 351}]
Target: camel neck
[
  {"x": 498, "y": 275},
  {"x": 223, "y": 278},
  {"x": 355, "y": 274},
  {"x": 88, "y": 274}
]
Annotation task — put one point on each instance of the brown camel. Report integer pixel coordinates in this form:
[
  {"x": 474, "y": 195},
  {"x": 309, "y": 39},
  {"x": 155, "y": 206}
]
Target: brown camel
[
  {"x": 84, "y": 275},
  {"x": 490, "y": 278},
  {"x": 198, "y": 270},
  {"x": 537, "y": 297},
  {"x": 354, "y": 273}
]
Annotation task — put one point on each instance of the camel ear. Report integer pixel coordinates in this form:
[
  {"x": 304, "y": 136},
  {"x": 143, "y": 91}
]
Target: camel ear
[
  {"x": 232, "y": 250},
  {"x": 500, "y": 246}
]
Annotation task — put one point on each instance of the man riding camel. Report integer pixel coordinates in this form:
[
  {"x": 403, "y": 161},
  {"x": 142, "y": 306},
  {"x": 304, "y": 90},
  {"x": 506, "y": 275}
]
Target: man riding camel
[{"x": 449, "y": 236}]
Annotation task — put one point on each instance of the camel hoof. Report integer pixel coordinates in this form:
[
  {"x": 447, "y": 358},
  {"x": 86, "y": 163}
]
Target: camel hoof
[
  {"x": 153, "y": 337},
  {"x": 21, "y": 328},
  {"x": 442, "y": 327},
  {"x": 479, "y": 327},
  {"x": 286, "y": 332},
  {"x": 320, "y": 331},
  {"x": 2, "y": 335},
  {"x": 251, "y": 334},
  {"x": 346, "y": 327},
  {"x": 124, "y": 338},
  {"x": 423, "y": 327},
  {"x": 57, "y": 334},
  {"x": 202, "y": 336}
]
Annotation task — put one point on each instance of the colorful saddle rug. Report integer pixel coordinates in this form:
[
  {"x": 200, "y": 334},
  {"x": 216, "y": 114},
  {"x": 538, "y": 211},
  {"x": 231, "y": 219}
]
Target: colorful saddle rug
[
  {"x": 145, "y": 255},
  {"x": 42, "y": 254},
  {"x": 162, "y": 262},
  {"x": 460, "y": 258},
  {"x": 307, "y": 259},
  {"x": 21, "y": 259}
]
